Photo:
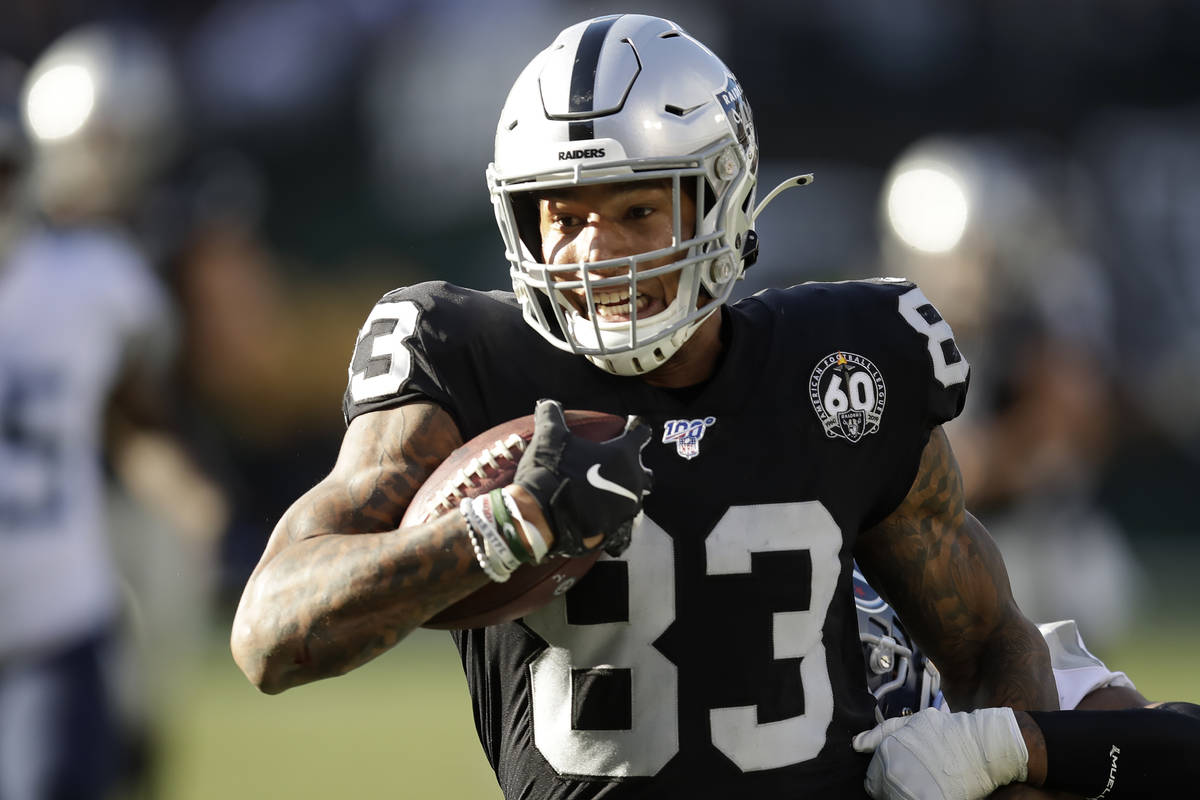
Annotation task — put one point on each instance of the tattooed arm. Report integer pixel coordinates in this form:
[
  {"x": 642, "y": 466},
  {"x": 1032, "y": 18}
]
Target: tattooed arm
[
  {"x": 338, "y": 584},
  {"x": 941, "y": 571}
]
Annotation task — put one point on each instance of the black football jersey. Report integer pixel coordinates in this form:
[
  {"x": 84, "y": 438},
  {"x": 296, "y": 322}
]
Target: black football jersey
[{"x": 719, "y": 655}]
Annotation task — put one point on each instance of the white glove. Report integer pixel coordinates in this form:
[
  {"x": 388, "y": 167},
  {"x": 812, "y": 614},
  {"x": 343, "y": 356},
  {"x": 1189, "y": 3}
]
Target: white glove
[{"x": 936, "y": 755}]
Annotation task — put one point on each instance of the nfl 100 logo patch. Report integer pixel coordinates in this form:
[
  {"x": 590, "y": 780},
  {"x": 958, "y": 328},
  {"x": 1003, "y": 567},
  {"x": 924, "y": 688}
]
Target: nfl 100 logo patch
[
  {"x": 686, "y": 434},
  {"x": 848, "y": 395}
]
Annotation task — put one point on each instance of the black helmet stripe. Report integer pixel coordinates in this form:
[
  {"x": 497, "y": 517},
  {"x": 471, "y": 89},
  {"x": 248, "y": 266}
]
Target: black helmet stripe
[{"x": 583, "y": 74}]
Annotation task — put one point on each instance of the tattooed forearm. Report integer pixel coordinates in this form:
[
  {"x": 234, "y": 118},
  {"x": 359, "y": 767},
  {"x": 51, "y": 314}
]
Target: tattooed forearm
[
  {"x": 405, "y": 447},
  {"x": 331, "y": 603},
  {"x": 338, "y": 584},
  {"x": 941, "y": 571}
]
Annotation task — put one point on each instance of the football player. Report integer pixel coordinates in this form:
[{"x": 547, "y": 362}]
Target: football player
[
  {"x": 713, "y": 650},
  {"x": 86, "y": 330},
  {"x": 1130, "y": 753}
]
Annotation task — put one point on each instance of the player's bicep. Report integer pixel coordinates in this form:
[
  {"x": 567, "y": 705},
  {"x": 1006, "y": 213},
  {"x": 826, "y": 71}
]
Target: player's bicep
[
  {"x": 937, "y": 565},
  {"x": 384, "y": 458}
]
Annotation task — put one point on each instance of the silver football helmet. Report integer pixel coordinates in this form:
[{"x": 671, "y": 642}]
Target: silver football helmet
[
  {"x": 101, "y": 108},
  {"x": 902, "y": 680},
  {"x": 624, "y": 98}
]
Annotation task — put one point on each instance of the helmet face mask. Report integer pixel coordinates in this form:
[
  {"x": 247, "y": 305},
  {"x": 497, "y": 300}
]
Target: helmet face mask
[{"x": 660, "y": 107}]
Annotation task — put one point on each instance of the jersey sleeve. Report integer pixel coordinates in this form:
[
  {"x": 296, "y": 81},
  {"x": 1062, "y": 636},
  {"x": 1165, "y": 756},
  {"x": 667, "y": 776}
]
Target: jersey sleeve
[
  {"x": 397, "y": 351},
  {"x": 949, "y": 373},
  {"x": 924, "y": 375}
]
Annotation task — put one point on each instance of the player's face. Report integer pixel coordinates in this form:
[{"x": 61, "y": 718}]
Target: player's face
[{"x": 584, "y": 224}]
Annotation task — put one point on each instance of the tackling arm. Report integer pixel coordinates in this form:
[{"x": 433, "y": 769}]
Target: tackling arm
[
  {"x": 338, "y": 584},
  {"x": 1133, "y": 752},
  {"x": 1107, "y": 698},
  {"x": 941, "y": 571}
]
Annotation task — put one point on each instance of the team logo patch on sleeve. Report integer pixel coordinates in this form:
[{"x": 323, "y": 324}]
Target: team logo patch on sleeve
[
  {"x": 686, "y": 434},
  {"x": 848, "y": 395}
]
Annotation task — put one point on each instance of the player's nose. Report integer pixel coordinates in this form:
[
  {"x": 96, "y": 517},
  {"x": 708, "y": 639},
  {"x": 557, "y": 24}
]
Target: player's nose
[{"x": 602, "y": 240}]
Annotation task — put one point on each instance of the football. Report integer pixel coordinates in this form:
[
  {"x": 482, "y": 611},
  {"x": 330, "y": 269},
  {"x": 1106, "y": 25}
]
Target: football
[{"x": 488, "y": 462}]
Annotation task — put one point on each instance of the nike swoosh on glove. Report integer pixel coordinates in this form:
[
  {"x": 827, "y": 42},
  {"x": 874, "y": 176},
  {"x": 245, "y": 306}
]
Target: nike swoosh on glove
[
  {"x": 584, "y": 487},
  {"x": 936, "y": 755}
]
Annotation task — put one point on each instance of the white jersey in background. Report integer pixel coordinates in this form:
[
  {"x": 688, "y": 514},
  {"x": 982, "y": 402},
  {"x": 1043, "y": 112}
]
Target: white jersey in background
[
  {"x": 1076, "y": 671},
  {"x": 75, "y": 307}
]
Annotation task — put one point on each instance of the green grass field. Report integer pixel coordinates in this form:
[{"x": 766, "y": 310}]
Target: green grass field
[{"x": 401, "y": 726}]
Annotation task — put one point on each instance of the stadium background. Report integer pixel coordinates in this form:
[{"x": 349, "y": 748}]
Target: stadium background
[{"x": 335, "y": 150}]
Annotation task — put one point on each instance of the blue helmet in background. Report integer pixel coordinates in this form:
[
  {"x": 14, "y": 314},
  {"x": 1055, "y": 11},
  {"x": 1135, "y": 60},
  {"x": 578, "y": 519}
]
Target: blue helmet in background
[{"x": 901, "y": 679}]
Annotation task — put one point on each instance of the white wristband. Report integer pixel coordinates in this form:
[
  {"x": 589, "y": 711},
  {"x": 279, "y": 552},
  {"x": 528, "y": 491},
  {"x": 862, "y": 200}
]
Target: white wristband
[
  {"x": 497, "y": 547},
  {"x": 490, "y": 547},
  {"x": 481, "y": 556},
  {"x": 533, "y": 534},
  {"x": 480, "y": 517}
]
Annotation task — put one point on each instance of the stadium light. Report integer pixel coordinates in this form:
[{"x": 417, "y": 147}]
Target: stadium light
[
  {"x": 927, "y": 208},
  {"x": 60, "y": 102}
]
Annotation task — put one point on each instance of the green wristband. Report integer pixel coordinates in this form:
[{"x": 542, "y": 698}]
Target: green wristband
[{"x": 508, "y": 528}]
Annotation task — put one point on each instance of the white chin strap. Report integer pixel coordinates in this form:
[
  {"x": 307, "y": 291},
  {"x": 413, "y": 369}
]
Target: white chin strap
[{"x": 650, "y": 356}]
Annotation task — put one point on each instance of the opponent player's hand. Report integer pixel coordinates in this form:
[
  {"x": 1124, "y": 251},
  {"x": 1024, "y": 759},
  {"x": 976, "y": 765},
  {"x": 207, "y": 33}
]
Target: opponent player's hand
[
  {"x": 936, "y": 755},
  {"x": 585, "y": 488}
]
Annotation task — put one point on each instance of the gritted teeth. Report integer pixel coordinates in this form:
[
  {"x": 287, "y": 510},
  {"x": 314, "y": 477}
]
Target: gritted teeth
[
  {"x": 610, "y": 298},
  {"x": 616, "y": 304}
]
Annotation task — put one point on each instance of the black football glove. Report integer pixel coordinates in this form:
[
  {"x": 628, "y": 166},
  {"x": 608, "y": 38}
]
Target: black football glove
[{"x": 585, "y": 488}]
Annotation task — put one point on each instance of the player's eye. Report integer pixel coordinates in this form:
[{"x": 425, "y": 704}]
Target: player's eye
[
  {"x": 567, "y": 221},
  {"x": 640, "y": 212}
]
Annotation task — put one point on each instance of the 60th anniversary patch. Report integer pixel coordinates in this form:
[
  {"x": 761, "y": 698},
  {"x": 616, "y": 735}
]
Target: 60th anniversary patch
[{"x": 848, "y": 395}]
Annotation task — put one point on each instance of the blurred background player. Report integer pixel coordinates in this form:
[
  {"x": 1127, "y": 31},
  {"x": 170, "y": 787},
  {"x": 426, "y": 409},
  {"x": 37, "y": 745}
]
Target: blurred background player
[{"x": 87, "y": 333}]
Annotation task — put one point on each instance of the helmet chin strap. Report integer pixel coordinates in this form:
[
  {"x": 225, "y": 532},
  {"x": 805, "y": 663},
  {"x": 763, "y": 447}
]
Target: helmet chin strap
[{"x": 790, "y": 183}]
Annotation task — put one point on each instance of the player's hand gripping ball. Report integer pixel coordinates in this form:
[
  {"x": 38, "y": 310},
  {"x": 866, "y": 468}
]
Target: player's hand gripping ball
[
  {"x": 490, "y": 461},
  {"x": 585, "y": 488}
]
